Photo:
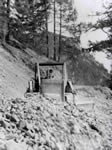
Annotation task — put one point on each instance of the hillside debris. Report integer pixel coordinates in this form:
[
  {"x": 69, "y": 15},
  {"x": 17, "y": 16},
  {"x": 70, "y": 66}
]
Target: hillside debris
[{"x": 45, "y": 124}]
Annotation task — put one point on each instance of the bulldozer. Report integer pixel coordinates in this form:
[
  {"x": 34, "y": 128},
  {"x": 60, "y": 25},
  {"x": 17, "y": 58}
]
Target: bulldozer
[{"x": 51, "y": 80}]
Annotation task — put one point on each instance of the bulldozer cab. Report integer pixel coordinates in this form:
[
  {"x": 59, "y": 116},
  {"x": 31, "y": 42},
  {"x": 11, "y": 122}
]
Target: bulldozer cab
[{"x": 53, "y": 79}]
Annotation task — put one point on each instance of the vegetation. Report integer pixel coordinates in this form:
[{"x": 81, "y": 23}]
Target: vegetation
[
  {"x": 105, "y": 24},
  {"x": 24, "y": 23}
]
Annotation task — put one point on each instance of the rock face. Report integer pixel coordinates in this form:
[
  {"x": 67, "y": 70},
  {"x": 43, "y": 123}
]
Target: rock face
[{"x": 45, "y": 124}]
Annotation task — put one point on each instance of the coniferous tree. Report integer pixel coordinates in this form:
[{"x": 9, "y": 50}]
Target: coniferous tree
[
  {"x": 47, "y": 37},
  {"x": 60, "y": 32},
  {"x": 105, "y": 24},
  {"x": 67, "y": 17},
  {"x": 54, "y": 5},
  {"x": 8, "y": 21},
  {"x": 28, "y": 21},
  {"x": 58, "y": 17},
  {"x": 4, "y": 20}
]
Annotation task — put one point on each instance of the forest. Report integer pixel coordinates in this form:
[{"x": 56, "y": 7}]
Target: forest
[{"x": 25, "y": 24}]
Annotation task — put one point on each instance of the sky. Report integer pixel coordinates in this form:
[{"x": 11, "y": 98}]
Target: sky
[
  {"x": 84, "y": 9},
  {"x": 102, "y": 58}
]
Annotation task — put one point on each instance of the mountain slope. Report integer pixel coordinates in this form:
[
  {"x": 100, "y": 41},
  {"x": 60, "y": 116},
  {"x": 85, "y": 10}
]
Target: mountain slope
[
  {"x": 17, "y": 65},
  {"x": 82, "y": 67},
  {"x": 84, "y": 70},
  {"x": 14, "y": 76}
]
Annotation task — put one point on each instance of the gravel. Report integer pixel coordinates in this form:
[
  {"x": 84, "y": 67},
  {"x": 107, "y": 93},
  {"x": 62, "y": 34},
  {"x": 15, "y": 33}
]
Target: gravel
[{"x": 43, "y": 123}]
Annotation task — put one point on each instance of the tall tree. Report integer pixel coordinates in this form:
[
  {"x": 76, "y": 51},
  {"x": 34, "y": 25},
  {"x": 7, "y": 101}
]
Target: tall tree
[
  {"x": 57, "y": 11},
  {"x": 66, "y": 19},
  {"x": 4, "y": 19},
  {"x": 60, "y": 32},
  {"x": 8, "y": 20},
  {"x": 105, "y": 24},
  {"x": 30, "y": 20},
  {"x": 1, "y": 19},
  {"x": 47, "y": 37},
  {"x": 54, "y": 4}
]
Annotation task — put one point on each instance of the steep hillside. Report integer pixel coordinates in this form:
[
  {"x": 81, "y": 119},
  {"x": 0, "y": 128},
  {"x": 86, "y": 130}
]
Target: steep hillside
[
  {"x": 82, "y": 67},
  {"x": 38, "y": 122},
  {"x": 86, "y": 71},
  {"x": 17, "y": 65},
  {"x": 14, "y": 76},
  {"x": 16, "y": 70}
]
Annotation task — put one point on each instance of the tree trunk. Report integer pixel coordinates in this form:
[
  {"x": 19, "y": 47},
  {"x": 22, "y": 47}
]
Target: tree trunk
[
  {"x": 60, "y": 33},
  {"x": 47, "y": 38},
  {"x": 3, "y": 21},
  {"x": 7, "y": 36},
  {"x": 54, "y": 30}
]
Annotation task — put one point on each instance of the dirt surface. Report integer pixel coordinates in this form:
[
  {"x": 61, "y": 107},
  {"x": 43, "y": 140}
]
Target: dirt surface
[
  {"x": 16, "y": 70},
  {"x": 41, "y": 123},
  {"x": 14, "y": 76},
  {"x": 102, "y": 97}
]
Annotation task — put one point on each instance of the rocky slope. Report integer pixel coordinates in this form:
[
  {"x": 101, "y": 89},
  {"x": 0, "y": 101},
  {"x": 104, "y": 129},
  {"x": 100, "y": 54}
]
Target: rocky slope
[{"x": 42, "y": 123}]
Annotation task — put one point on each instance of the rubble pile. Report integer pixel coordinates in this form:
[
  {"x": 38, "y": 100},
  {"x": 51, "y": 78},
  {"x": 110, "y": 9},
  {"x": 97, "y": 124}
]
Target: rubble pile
[{"x": 38, "y": 123}]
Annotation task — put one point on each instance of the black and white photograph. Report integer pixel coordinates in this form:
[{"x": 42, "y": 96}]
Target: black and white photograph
[{"x": 55, "y": 74}]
